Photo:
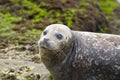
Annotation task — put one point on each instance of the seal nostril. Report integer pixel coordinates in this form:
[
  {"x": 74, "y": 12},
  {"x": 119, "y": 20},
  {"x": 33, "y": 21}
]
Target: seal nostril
[{"x": 46, "y": 39}]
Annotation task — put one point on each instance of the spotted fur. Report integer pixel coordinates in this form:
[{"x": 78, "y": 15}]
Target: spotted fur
[{"x": 86, "y": 56}]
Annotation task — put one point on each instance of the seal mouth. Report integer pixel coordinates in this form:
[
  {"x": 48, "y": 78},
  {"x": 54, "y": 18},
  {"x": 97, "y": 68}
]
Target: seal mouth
[
  {"x": 43, "y": 47},
  {"x": 46, "y": 47}
]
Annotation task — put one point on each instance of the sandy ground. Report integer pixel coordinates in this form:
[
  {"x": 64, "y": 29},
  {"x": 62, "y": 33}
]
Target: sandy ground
[{"x": 18, "y": 63}]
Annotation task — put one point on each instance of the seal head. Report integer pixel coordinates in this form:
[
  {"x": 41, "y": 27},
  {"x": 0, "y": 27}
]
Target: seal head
[
  {"x": 54, "y": 43},
  {"x": 54, "y": 36}
]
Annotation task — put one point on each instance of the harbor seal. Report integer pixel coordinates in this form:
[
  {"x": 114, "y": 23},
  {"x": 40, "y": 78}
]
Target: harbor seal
[{"x": 78, "y": 55}]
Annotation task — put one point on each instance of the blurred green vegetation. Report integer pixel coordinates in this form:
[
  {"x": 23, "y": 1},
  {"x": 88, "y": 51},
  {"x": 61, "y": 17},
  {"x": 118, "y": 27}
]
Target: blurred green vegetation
[
  {"x": 50, "y": 77},
  {"x": 22, "y": 21},
  {"x": 108, "y": 6},
  {"x": 6, "y": 24}
]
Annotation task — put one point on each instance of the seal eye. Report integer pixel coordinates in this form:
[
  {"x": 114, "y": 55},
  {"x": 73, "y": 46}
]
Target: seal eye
[
  {"x": 45, "y": 32},
  {"x": 59, "y": 36}
]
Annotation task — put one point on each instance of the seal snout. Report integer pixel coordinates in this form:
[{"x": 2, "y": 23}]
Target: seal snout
[
  {"x": 44, "y": 43},
  {"x": 45, "y": 40}
]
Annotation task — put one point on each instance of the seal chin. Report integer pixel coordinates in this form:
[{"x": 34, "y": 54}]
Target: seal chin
[{"x": 46, "y": 48}]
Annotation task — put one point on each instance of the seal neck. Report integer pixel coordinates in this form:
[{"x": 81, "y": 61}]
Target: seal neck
[{"x": 64, "y": 70}]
